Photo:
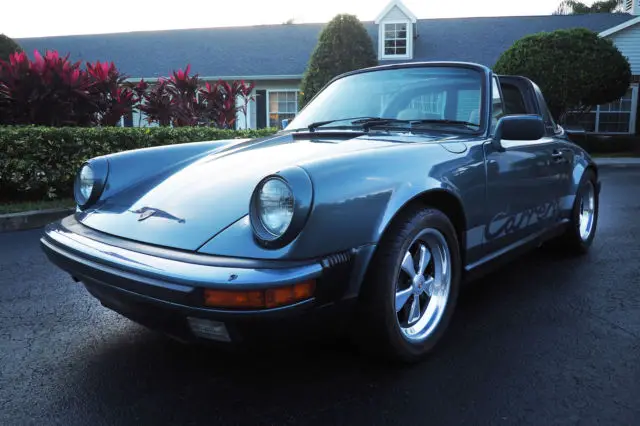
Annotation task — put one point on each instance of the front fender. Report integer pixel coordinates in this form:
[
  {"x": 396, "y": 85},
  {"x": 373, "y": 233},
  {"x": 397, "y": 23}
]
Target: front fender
[{"x": 355, "y": 196}]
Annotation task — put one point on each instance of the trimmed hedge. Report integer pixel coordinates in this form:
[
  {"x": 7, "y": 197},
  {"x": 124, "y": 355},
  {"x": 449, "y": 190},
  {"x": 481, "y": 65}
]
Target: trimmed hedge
[{"x": 38, "y": 163}]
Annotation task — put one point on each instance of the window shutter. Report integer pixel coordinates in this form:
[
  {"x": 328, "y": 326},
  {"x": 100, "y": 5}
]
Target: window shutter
[{"x": 261, "y": 109}]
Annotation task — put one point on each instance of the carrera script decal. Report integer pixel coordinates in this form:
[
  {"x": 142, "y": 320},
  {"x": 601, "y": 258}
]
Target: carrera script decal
[{"x": 504, "y": 224}]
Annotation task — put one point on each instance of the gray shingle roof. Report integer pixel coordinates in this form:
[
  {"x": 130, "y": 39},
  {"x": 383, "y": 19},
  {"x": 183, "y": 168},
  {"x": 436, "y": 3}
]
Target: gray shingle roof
[{"x": 285, "y": 49}]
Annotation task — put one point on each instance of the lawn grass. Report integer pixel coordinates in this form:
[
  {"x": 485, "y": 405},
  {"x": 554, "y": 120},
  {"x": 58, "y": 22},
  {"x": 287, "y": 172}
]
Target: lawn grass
[{"x": 35, "y": 205}]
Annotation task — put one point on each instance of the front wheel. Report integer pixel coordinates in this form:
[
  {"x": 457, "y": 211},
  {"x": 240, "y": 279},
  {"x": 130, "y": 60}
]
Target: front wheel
[{"x": 412, "y": 286}]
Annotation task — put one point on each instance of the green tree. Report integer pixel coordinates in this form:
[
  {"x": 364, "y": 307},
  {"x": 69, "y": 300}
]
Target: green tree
[
  {"x": 576, "y": 69},
  {"x": 7, "y": 47},
  {"x": 344, "y": 45},
  {"x": 572, "y": 7}
]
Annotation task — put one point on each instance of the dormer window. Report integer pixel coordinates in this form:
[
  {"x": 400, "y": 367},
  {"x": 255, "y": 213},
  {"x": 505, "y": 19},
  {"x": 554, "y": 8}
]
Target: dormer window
[
  {"x": 396, "y": 25},
  {"x": 395, "y": 39}
]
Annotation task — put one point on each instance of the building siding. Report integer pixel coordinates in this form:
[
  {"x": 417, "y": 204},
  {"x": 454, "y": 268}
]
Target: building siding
[
  {"x": 628, "y": 42},
  {"x": 395, "y": 14},
  {"x": 270, "y": 85}
]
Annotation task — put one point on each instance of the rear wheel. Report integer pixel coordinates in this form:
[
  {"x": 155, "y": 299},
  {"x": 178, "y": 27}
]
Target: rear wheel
[
  {"x": 581, "y": 231},
  {"x": 412, "y": 286}
]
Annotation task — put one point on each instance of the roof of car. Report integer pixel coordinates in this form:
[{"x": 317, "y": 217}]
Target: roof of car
[{"x": 283, "y": 50}]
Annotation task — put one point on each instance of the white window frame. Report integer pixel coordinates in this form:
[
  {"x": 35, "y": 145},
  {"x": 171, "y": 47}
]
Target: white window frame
[
  {"x": 240, "y": 115},
  {"x": 268, "y": 108},
  {"x": 381, "y": 39},
  {"x": 635, "y": 88}
]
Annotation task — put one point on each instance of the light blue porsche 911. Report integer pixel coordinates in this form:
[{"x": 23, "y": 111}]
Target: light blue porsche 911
[{"x": 391, "y": 188}]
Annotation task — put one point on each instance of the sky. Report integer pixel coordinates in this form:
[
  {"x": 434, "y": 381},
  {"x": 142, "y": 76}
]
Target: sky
[{"x": 36, "y": 18}]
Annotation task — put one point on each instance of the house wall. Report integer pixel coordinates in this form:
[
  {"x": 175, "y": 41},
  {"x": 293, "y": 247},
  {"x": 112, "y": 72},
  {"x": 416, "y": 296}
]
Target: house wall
[
  {"x": 628, "y": 42},
  {"x": 269, "y": 85}
]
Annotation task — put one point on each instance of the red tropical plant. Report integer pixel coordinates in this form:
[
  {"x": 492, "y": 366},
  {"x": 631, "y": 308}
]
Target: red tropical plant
[
  {"x": 49, "y": 90},
  {"x": 184, "y": 89},
  {"x": 219, "y": 102},
  {"x": 111, "y": 96},
  {"x": 140, "y": 89},
  {"x": 172, "y": 101},
  {"x": 210, "y": 104},
  {"x": 158, "y": 105},
  {"x": 53, "y": 91}
]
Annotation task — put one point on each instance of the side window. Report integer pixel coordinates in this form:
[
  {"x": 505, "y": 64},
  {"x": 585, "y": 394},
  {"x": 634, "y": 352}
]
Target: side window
[
  {"x": 513, "y": 100},
  {"x": 497, "y": 104}
]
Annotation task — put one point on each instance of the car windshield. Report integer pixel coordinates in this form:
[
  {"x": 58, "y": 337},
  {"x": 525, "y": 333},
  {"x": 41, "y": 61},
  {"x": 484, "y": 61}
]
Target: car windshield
[{"x": 427, "y": 97}]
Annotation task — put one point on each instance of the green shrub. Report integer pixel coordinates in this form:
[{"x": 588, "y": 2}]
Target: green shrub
[
  {"x": 39, "y": 163},
  {"x": 576, "y": 69},
  {"x": 7, "y": 47}
]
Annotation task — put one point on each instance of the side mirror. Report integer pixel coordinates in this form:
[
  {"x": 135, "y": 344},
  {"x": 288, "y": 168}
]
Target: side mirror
[
  {"x": 518, "y": 128},
  {"x": 284, "y": 123}
]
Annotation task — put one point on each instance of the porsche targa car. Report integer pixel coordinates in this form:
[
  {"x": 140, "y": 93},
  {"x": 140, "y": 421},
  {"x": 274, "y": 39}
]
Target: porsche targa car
[{"x": 393, "y": 186}]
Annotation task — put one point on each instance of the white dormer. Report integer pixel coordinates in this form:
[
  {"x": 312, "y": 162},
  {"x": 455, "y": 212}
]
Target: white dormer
[
  {"x": 632, "y": 7},
  {"x": 396, "y": 31}
]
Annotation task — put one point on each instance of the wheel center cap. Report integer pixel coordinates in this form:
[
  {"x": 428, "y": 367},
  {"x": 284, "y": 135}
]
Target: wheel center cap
[{"x": 418, "y": 283}]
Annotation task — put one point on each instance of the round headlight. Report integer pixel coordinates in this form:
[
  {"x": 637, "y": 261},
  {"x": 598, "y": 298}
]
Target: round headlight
[
  {"x": 90, "y": 182},
  {"x": 84, "y": 184},
  {"x": 275, "y": 206}
]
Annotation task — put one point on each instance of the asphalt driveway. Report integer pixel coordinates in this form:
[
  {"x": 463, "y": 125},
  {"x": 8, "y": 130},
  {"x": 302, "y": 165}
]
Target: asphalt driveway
[{"x": 546, "y": 341}]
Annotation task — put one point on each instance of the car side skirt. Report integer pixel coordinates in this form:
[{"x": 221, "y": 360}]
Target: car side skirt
[{"x": 500, "y": 258}]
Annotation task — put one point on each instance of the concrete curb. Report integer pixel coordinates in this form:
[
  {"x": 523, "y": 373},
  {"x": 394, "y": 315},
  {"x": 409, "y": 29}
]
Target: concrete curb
[
  {"x": 31, "y": 219},
  {"x": 617, "y": 161}
]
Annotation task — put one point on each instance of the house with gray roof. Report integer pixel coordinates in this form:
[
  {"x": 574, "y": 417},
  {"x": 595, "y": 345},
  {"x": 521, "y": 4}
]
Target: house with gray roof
[{"x": 274, "y": 57}]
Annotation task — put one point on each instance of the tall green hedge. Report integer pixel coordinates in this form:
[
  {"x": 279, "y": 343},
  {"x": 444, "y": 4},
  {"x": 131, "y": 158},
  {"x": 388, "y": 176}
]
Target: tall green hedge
[
  {"x": 41, "y": 162},
  {"x": 343, "y": 45}
]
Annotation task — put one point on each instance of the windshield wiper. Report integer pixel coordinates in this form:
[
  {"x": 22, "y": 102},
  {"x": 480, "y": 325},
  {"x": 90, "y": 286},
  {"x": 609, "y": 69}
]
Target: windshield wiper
[
  {"x": 445, "y": 121},
  {"x": 313, "y": 126},
  {"x": 368, "y": 122},
  {"x": 384, "y": 121}
]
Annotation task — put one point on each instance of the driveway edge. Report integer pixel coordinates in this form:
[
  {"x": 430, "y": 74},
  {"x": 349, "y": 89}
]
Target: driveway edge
[
  {"x": 31, "y": 219},
  {"x": 617, "y": 161}
]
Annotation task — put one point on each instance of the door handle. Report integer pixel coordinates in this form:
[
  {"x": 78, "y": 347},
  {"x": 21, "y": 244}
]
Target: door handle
[{"x": 558, "y": 156}]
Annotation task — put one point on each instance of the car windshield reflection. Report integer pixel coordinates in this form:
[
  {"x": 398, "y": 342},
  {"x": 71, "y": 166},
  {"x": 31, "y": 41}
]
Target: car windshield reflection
[{"x": 415, "y": 98}]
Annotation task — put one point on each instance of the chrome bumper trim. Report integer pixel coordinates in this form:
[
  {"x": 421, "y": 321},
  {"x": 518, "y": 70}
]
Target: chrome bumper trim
[{"x": 73, "y": 245}]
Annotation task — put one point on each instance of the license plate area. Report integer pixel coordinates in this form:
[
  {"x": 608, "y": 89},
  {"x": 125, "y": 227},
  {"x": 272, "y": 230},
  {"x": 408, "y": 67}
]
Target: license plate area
[{"x": 209, "y": 329}]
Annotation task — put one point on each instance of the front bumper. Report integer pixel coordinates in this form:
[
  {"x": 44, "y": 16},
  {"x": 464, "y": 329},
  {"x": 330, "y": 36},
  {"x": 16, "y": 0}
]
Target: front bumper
[{"x": 164, "y": 289}]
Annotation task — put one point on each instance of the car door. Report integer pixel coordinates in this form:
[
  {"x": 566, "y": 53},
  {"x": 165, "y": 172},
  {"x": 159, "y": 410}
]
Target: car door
[
  {"x": 519, "y": 181},
  {"x": 561, "y": 160}
]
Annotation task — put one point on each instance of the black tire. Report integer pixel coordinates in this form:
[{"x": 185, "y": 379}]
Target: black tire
[
  {"x": 377, "y": 329},
  {"x": 570, "y": 242}
]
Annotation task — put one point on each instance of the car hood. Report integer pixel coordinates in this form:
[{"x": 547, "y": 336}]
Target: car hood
[{"x": 198, "y": 201}]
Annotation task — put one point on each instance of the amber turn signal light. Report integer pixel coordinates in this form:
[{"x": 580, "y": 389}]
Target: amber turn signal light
[{"x": 257, "y": 299}]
